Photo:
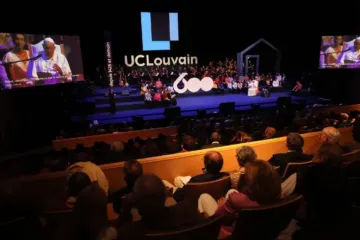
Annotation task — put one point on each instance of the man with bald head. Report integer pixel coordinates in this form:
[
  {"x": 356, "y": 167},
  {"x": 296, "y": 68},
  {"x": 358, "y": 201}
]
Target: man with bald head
[
  {"x": 51, "y": 64},
  {"x": 213, "y": 163}
]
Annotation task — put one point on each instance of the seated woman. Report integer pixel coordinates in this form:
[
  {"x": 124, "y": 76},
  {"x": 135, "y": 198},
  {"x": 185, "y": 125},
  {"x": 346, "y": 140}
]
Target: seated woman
[{"x": 261, "y": 186}]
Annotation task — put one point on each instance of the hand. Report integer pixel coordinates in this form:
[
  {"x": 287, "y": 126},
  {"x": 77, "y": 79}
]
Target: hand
[
  {"x": 58, "y": 69},
  {"x": 221, "y": 201}
]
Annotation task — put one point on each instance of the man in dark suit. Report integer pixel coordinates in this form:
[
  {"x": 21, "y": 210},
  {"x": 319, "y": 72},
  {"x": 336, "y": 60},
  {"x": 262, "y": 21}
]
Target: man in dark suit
[
  {"x": 294, "y": 143},
  {"x": 213, "y": 162},
  {"x": 215, "y": 141}
]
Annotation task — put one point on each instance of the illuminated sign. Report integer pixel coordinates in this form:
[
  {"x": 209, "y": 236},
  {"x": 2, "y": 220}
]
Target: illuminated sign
[
  {"x": 193, "y": 84},
  {"x": 145, "y": 60},
  {"x": 149, "y": 37},
  {"x": 109, "y": 63}
]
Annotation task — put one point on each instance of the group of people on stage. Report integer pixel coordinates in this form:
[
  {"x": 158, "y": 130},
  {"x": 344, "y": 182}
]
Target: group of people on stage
[
  {"x": 340, "y": 52},
  {"x": 224, "y": 75},
  {"x": 155, "y": 92},
  {"x": 19, "y": 69}
]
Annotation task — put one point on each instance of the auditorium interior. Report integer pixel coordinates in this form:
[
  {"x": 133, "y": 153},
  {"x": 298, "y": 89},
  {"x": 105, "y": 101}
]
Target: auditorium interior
[{"x": 223, "y": 162}]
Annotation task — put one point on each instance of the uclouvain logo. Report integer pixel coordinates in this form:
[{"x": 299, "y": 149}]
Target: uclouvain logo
[{"x": 147, "y": 36}]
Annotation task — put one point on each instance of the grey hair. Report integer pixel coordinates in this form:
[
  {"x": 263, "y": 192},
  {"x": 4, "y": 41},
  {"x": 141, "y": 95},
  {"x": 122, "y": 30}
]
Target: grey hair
[
  {"x": 332, "y": 134},
  {"x": 245, "y": 154}
]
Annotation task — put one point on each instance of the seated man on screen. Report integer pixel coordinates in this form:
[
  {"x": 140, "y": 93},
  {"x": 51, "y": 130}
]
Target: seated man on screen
[
  {"x": 352, "y": 56},
  {"x": 51, "y": 64},
  {"x": 17, "y": 70}
]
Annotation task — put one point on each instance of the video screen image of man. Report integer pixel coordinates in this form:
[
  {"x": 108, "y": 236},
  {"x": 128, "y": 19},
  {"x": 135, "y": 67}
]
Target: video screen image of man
[
  {"x": 34, "y": 59},
  {"x": 340, "y": 52}
]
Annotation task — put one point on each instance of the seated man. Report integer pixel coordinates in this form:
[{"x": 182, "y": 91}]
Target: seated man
[
  {"x": 294, "y": 144},
  {"x": 213, "y": 162},
  {"x": 50, "y": 65},
  {"x": 215, "y": 141},
  {"x": 332, "y": 135}
]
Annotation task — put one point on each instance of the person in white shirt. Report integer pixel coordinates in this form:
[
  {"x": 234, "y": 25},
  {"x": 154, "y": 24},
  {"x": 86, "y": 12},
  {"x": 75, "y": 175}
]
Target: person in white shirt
[
  {"x": 352, "y": 56},
  {"x": 51, "y": 64}
]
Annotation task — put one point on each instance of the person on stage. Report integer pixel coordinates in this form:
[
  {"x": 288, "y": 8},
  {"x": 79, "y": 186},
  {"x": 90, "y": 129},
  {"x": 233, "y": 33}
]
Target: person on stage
[
  {"x": 17, "y": 70},
  {"x": 51, "y": 64},
  {"x": 352, "y": 56}
]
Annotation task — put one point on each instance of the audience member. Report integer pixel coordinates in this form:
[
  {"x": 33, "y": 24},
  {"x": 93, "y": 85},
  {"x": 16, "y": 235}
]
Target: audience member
[
  {"x": 262, "y": 187},
  {"x": 294, "y": 144},
  {"x": 269, "y": 133},
  {"x": 332, "y": 135},
  {"x": 77, "y": 182},
  {"x": 213, "y": 162},
  {"x": 90, "y": 213},
  {"x": 243, "y": 155},
  {"x": 215, "y": 141},
  {"x": 149, "y": 198},
  {"x": 83, "y": 164}
]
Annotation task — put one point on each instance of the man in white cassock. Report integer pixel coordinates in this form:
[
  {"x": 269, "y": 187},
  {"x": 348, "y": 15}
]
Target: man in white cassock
[
  {"x": 51, "y": 64},
  {"x": 352, "y": 56}
]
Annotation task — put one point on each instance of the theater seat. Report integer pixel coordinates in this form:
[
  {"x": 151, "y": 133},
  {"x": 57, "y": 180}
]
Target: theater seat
[
  {"x": 266, "y": 222},
  {"x": 294, "y": 167},
  {"x": 352, "y": 156},
  {"x": 209, "y": 230},
  {"x": 216, "y": 189}
]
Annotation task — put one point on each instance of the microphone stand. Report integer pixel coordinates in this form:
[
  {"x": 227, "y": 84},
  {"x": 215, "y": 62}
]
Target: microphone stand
[{"x": 21, "y": 60}]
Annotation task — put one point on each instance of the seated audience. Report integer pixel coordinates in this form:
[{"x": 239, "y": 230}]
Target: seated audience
[
  {"x": 262, "y": 187},
  {"x": 132, "y": 171},
  {"x": 90, "y": 214},
  {"x": 213, "y": 163},
  {"x": 294, "y": 143},
  {"x": 332, "y": 135},
  {"x": 323, "y": 186},
  {"x": 215, "y": 141},
  {"x": 77, "y": 182},
  {"x": 83, "y": 164},
  {"x": 243, "y": 155},
  {"x": 149, "y": 199},
  {"x": 269, "y": 133}
]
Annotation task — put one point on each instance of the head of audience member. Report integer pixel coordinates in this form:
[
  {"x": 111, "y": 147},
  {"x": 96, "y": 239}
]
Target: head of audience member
[
  {"x": 132, "y": 171},
  {"x": 329, "y": 154},
  {"x": 49, "y": 47},
  {"x": 76, "y": 183},
  {"x": 150, "y": 149},
  {"x": 245, "y": 154},
  {"x": 90, "y": 212},
  {"x": 189, "y": 143},
  {"x": 213, "y": 162},
  {"x": 330, "y": 135},
  {"x": 338, "y": 40},
  {"x": 19, "y": 41},
  {"x": 294, "y": 142},
  {"x": 117, "y": 147},
  {"x": 270, "y": 132},
  {"x": 262, "y": 182},
  {"x": 215, "y": 137},
  {"x": 149, "y": 196}
]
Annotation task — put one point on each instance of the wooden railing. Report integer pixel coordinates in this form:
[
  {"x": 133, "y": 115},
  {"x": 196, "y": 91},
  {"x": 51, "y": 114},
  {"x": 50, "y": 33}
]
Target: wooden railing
[
  {"x": 88, "y": 141},
  {"x": 50, "y": 187}
]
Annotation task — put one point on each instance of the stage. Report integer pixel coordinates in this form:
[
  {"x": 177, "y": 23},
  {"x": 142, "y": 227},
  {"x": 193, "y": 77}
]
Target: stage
[{"x": 130, "y": 103}]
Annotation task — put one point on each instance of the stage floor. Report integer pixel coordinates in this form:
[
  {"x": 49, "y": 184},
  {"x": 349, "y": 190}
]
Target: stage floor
[{"x": 189, "y": 105}]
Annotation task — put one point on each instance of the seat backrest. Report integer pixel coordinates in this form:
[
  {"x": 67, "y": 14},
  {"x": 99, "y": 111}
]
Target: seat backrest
[
  {"x": 352, "y": 156},
  {"x": 35, "y": 49},
  {"x": 209, "y": 230},
  {"x": 216, "y": 189},
  {"x": 266, "y": 222},
  {"x": 294, "y": 167}
]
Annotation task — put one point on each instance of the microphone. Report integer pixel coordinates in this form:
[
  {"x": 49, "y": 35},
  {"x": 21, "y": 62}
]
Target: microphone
[
  {"x": 37, "y": 57},
  {"x": 22, "y": 60}
]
